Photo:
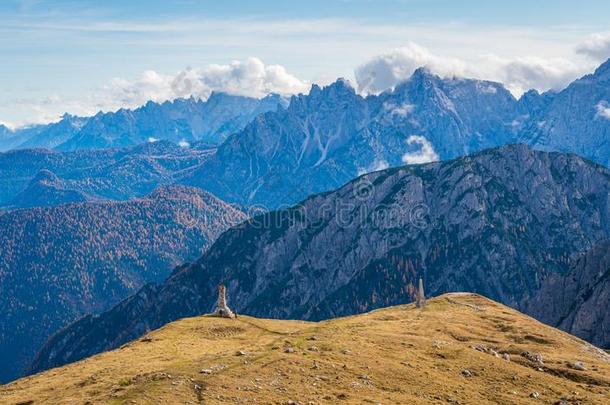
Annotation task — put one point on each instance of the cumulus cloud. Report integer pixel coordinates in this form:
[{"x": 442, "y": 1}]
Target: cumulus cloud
[
  {"x": 596, "y": 47},
  {"x": 385, "y": 71},
  {"x": 425, "y": 154},
  {"x": 401, "y": 110},
  {"x": 603, "y": 110},
  {"x": 184, "y": 144},
  {"x": 522, "y": 74},
  {"x": 250, "y": 77}
]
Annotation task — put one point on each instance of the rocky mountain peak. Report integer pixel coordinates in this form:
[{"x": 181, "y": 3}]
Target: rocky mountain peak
[{"x": 603, "y": 71}]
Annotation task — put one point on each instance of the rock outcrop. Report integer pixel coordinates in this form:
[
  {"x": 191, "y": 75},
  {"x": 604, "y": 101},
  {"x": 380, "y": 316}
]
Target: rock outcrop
[{"x": 578, "y": 301}]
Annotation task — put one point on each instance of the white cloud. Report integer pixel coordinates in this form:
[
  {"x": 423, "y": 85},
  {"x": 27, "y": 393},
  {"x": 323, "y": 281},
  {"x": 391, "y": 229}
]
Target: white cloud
[
  {"x": 250, "y": 77},
  {"x": 603, "y": 110},
  {"x": 378, "y": 164},
  {"x": 517, "y": 74},
  {"x": 385, "y": 71},
  {"x": 184, "y": 144},
  {"x": 425, "y": 154},
  {"x": 401, "y": 110},
  {"x": 596, "y": 47},
  {"x": 152, "y": 139}
]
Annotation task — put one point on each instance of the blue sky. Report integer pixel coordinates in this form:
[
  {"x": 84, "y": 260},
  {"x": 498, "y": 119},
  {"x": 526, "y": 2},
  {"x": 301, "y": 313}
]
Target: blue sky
[{"x": 82, "y": 56}]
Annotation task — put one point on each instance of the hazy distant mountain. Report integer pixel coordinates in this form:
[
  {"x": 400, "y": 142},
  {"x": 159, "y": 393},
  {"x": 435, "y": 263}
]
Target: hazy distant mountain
[
  {"x": 497, "y": 223},
  {"x": 57, "y": 264},
  {"x": 99, "y": 174},
  {"x": 51, "y": 135},
  {"x": 182, "y": 120},
  {"x": 10, "y": 139},
  {"x": 46, "y": 190}
]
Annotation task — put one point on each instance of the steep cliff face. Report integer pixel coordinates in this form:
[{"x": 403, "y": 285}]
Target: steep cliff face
[
  {"x": 497, "y": 223},
  {"x": 57, "y": 264},
  {"x": 577, "y": 302},
  {"x": 576, "y": 119},
  {"x": 328, "y": 137}
]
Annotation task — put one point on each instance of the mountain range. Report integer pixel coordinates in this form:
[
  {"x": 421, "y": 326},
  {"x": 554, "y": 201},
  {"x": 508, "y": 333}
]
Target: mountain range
[
  {"x": 326, "y": 138},
  {"x": 182, "y": 120},
  {"x": 272, "y": 154},
  {"x": 63, "y": 262},
  {"x": 507, "y": 223},
  {"x": 498, "y": 223},
  {"x": 41, "y": 177}
]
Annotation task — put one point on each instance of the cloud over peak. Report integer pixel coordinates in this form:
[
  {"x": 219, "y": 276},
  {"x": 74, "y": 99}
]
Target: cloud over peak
[
  {"x": 596, "y": 47},
  {"x": 386, "y": 70},
  {"x": 250, "y": 77}
]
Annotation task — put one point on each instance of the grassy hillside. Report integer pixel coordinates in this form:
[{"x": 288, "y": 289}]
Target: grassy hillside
[{"x": 441, "y": 354}]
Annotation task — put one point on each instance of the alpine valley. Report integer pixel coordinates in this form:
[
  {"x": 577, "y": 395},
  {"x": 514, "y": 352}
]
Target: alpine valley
[
  {"x": 317, "y": 206},
  {"x": 499, "y": 223},
  {"x": 60, "y": 263}
]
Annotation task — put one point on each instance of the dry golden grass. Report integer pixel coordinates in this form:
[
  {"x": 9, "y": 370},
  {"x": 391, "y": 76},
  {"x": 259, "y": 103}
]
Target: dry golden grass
[{"x": 399, "y": 355}]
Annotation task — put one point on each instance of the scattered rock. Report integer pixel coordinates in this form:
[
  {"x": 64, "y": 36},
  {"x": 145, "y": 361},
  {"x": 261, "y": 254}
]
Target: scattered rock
[
  {"x": 577, "y": 365},
  {"x": 146, "y": 339},
  {"x": 289, "y": 350},
  {"x": 534, "y": 395},
  {"x": 534, "y": 357},
  {"x": 314, "y": 337},
  {"x": 240, "y": 353},
  {"x": 466, "y": 373},
  {"x": 506, "y": 356},
  {"x": 206, "y": 371}
]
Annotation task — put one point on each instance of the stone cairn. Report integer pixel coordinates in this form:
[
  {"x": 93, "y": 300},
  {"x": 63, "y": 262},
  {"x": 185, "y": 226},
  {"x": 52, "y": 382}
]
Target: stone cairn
[
  {"x": 420, "y": 297},
  {"x": 222, "y": 310}
]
